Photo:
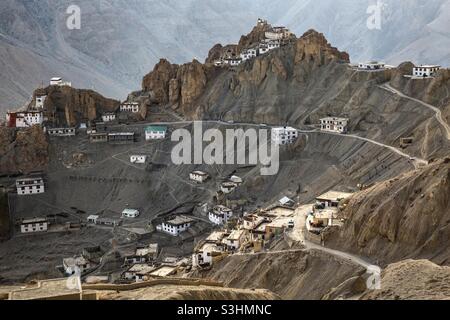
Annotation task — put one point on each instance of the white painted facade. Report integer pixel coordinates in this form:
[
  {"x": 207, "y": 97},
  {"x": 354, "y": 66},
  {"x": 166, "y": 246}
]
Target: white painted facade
[
  {"x": 334, "y": 124},
  {"x": 235, "y": 240},
  {"x": 284, "y": 135},
  {"x": 198, "y": 176},
  {"x": 61, "y": 132},
  {"x": 34, "y": 225},
  {"x": 425, "y": 70},
  {"x": 40, "y": 100},
  {"x": 249, "y": 54},
  {"x": 24, "y": 119},
  {"x": 176, "y": 226},
  {"x": 30, "y": 186},
  {"x": 130, "y": 213},
  {"x": 138, "y": 159},
  {"x": 155, "y": 133},
  {"x": 132, "y": 107},
  {"x": 220, "y": 215},
  {"x": 373, "y": 65},
  {"x": 227, "y": 187},
  {"x": 233, "y": 61},
  {"x": 108, "y": 117},
  {"x": 204, "y": 255},
  {"x": 92, "y": 219},
  {"x": 278, "y": 33},
  {"x": 58, "y": 81}
]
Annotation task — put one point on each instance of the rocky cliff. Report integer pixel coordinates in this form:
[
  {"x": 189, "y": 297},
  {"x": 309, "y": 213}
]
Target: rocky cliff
[
  {"x": 405, "y": 217},
  {"x": 23, "y": 151},
  {"x": 66, "y": 106}
]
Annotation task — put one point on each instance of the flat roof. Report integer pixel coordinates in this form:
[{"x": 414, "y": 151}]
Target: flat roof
[
  {"x": 163, "y": 271},
  {"x": 34, "y": 220},
  {"x": 236, "y": 234},
  {"x": 121, "y": 134},
  {"x": 130, "y": 211},
  {"x": 156, "y": 128},
  {"x": 179, "y": 220},
  {"x": 76, "y": 261},
  {"x": 335, "y": 119},
  {"x": 428, "y": 66},
  {"x": 334, "y": 195},
  {"x": 141, "y": 268},
  {"x": 199, "y": 173},
  {"x": 326, "y": 214},
  {"x": 215, "y": 236}
]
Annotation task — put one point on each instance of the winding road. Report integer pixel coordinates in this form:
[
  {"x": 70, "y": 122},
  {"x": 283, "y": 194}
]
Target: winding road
[{"x": 437, "y": 111}]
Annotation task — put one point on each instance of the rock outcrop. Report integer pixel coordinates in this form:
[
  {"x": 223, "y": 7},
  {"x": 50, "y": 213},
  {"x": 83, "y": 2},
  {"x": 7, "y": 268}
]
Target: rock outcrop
[
  {"x": 402, "y": 218},
  {"x": 23, "y": 151},
  {"x": 66, "y": 106}
]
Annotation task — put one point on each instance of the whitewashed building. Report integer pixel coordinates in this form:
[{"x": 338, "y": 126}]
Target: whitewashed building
[
  {"x": 155, "y": 132},
  {"x": 29, "y": 186},
  {"x": 271, "y": 44},
  {"x": 108, "y": 117},
  {"x": 249, "y": 54},
  {"x": 199, "y": 176},
  {"x": 227, "y": 187},
  {"x": 24, "y": 119},
  {"x": 40, "y": 100},
  {"x": 233, "y": 61},
  {"x": 75, "y": 265},
  {"x": 92, "y": 219},
  {"x": 130, "y": 213},
  {"x": 205, "y": 254},
  {"x": 58, "y": 81},
  {"x": 132, "y": 107},
  {"x": 34, "y": 225},
  {"x": 235, "y": 240},
  {"x": 139, "y": 272},
  {"x": 372, "y": 65},
  {"x": 220, "y": 215},
  {"x": 425, "y": 70},
  {"x": 278, "y": 33},
  {"x": 334, "y": 124},
  {"x": 284, "y": 135},
  {"x": 61, "y": 132},
  {"x": 139, "y": 159},
  {"x": 176, "y": 226},
  {"x": 263, "y": 48},
  {"x": 332, "y": 198}
]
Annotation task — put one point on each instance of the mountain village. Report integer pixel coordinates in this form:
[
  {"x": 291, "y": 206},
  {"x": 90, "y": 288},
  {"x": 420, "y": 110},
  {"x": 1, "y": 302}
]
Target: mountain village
[{"x": 233, "y": 230}]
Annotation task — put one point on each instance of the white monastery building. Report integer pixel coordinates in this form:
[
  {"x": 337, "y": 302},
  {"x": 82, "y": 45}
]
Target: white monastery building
[
  {"x": 333, "y": 124},
  {"x": 249, "y": 54},
  {"x": 284, "y": 135},
  {"x": 139, "y": 159},
  {"x": 29, "y": 186},
  {"x": 108, "y": 117},
  {"x": 155, "y": 132},
  {"x": 40, "y": 100},
  {"x": 372, "y": 65},
  {"x": 58, "y": 81},
  {"x": 425, "y": 70},
  {"x": 24, "y": 119},
  {"x": 34, "y": 225},
  {"x": 220, "y": 215},
  {"x": 61, "y": 132},
  {"x": 129, "y": 107},
  {"x": 176, "y": 226},
  {"x": 130, "y": 213},
  {"x": 198, "y": 176}
]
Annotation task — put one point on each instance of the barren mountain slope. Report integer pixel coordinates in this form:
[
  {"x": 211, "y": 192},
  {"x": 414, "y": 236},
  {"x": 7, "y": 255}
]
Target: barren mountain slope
[{"x": 401, "y": 218}]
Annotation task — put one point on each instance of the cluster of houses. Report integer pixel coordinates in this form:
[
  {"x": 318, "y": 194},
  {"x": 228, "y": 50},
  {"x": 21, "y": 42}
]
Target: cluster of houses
[
  {"x": 274, "y": 38},
  {"x": 325, "y": 211},
  {"x": 422, "y": 71},
  {"x": 249, "y": 233}
]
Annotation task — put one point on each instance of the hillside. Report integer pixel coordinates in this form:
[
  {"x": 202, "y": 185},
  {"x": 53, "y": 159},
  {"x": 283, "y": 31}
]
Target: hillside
[{"x": 402, "y": 218}]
